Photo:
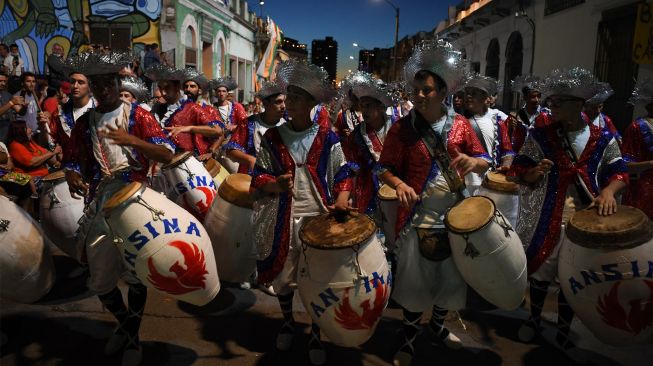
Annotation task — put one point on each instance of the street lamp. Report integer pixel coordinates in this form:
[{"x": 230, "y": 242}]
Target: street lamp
[
  {"x": 368, "y": 66},
  {"x": 394, "y": 50},
  {"x": 261, "y": 3}
]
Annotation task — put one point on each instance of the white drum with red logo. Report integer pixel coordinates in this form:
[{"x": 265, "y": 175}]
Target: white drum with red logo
[
  {"x": 189, "y": 184},
  {"x": 26, "y": 267},
  {"x": 166, "y": 246},
  {"x": 229, "y": 224},
  {"x": 388, "y": 203},
  {"x": 504, "y": 193},
  {"x": 344, "y": 279},
  {"x": 487, "y": 251},
  {"x": 606, "y": 273},
  {"x": 217, "y": 171},
  {"x": 60, "y": 214}
]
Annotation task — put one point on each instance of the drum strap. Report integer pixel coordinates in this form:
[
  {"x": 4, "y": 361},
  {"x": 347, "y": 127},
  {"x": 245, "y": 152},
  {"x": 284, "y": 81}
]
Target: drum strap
[
  {"x": 438, "y": 151},
  {"x": 479, "y": 135},
  {"x": 584, "y": 194}
]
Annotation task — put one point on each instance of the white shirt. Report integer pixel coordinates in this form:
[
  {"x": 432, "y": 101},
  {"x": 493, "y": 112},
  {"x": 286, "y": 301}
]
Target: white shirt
[
  {"x": 9, "y": 64},
  {"x": 111, "y": 157},
  {"x": 3, "y": 148},
  {"x": 578, "y": 140},
  {"x": 78, "y": 112},
  {"x": 259, "y": 130},
  {"x": 32, "y": 110},
  {"x": 225, "y": 110}
]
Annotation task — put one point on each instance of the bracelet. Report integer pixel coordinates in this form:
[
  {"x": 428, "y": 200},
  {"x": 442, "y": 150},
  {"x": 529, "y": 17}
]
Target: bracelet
[{"x": 398, "y": 184}]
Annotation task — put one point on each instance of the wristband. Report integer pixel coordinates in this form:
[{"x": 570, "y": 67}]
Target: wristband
[{"x": 398, "y": 184}]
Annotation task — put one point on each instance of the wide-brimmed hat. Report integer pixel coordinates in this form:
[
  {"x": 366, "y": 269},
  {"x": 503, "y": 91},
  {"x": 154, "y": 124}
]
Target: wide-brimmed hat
[
  {"x": 135, "y": 86},
  {"x": 224, "y": 81},
  {"x": 440, "y": 58},
  {"x": 529, "y": 82},
  {"x": 643, "y": 92},
  {"x": 269, "y": 89},
  {"x": 311, "y": 78},
  {"x": 574, "y": 82},
  {"x": 191, "y": 74},
  {"x": 362, "y": 84},
  {"x": 161, "y": 72},
  {"x": 605, "y": 92},
  {"x": 487, "y": 84},
  {"x": 93, "y": 63}
]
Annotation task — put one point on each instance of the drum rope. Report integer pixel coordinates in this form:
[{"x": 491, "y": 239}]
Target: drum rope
[
  {"x": 156, "y": 213},
  {"x": 185, "y": 168},
  {"x": 507, "y": 228},
  {"x": 4, "y": 225},
  {"x": 470, "y": 249},
  {"x": 53, "y": 197},
  {"x": 305, "y": 270},
  {"x": 359, "y": 271}
]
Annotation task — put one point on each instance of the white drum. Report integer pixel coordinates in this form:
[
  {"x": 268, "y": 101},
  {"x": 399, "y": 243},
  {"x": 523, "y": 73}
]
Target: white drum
[
  {"x": 388, "y": 203},
  {"x": 189, "y": 184},
  {"x": 504, "y": 193},
  {"x": 229, "y": 224},
  {"x": 344, "y": 279},
  {"x": 166, "y": 246},
  {"x": 487, "y": 251},
  {"x": 606, "y": 273},
  {"x": 217, "y": 171},
  {"x": 26, "y": 266},
  {"x": 60, "y": 214}
]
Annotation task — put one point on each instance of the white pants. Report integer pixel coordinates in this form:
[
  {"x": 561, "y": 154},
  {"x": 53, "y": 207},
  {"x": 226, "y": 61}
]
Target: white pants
[{"x": 286, "y": 280}]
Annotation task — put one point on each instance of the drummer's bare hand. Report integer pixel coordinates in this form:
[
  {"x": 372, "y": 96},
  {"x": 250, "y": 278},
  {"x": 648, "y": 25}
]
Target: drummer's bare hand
[
  {"x": 533, "y": 175},
  {"x": 204, "y": 157},
  {"x": 285, "y": 182},
  {"x": 406, "y": 195},
  {"x": 119, "y": 136},
  {"x": 57, "y": 149},
  {"x": 76, "y": 185},
  {"x": 513, "y": 122},
  {"x": 341, "y": 204},
  {"x": 605, "y": 203},
  {"x": 43, "y": 117},
  {"x": 503, "y": 169},
  {"x": 176, "y": 130},
  {"x": 463, "y": 163}
]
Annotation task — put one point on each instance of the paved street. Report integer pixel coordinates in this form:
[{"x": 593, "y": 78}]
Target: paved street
[{"x": 238, "y": 328}]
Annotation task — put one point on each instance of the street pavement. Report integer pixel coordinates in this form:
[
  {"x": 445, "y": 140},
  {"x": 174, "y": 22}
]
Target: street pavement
[{"x": 70, "y": 327}]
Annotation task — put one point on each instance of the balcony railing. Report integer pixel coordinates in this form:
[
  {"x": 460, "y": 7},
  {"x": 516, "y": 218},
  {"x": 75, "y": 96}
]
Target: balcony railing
[{"x": 554, "y": 6}]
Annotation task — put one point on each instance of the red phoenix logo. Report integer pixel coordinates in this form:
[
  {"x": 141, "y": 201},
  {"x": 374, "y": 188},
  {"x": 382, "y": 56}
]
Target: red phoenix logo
[
  {"x": 636, "y": 320},
  {"x": 201, "y": 207},
  {"x": 188, "y": 279},
  {"x": 351, "y": 320}
]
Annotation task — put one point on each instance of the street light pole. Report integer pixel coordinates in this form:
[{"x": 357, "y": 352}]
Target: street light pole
[
  {"x": 394, "y": 50},
  {"x": 261, "y": 3}
]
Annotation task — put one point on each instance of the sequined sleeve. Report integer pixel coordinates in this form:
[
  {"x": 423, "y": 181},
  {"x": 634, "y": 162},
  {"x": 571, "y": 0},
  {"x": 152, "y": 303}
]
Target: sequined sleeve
[
  {"x": 505, "y": 145},
  {"x": 610, "y": 125},
  {"x": 74, "y": 148},
  {"x": 632, "y": 147},
  {"x": 462, "y": 138},
  {"x": 613, "y": 167},
  {"x": 148, "y": 129},
  {"x": 392, "y": 156},
  {"x": 240, "y": 136},
  {"x": 340, "y": 172}
]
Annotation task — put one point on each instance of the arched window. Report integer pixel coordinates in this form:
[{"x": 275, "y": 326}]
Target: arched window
[
  {"x": 220, "y": 60},
  {"x": 492, "y": 59},
  {"x": 514, "y": 61},
  {"x": 191, "y": 50}
]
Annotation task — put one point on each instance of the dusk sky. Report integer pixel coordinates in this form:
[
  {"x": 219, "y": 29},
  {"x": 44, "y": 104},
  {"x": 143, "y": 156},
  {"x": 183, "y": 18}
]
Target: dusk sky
[{"x": 370, "y": 23}]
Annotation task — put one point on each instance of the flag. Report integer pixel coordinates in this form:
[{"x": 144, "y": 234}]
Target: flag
[{"x": 266, "y": 65}]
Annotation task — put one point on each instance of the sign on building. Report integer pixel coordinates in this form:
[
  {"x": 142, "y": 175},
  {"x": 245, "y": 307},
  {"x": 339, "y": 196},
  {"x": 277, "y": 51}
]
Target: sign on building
[{"x": 643, "y": 42}]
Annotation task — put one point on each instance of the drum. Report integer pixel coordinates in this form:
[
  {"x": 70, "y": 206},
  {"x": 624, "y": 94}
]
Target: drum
[
  {"x": 26, "y": 266},
  {"x": 344, "y": 279},
  {"x": 229, "y": 224},
  {"x": 606, "y": 272},
  {"x": 189, "y": 184},
  {"x": 167, "y": 247},
  {"x": 504, "y": 193},
  {"x": 60, "y": 213},
  {"x": 216, "y": 170},
  {"x": 487, "y": 251},
  {"x": 388, "y": 203}
]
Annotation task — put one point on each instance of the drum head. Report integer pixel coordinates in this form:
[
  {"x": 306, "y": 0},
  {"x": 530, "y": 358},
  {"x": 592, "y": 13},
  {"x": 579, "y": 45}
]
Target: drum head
[
  {"x": 123, "y": 196},
  {"x": 212, "y": 166},
  {"x": 470, "y": 214},
  {"x": 627, "y": 228},
  {"x": 499, "y": 182},
  {"x": 60, "y": 174},
  {"x": 235, "y": 189},
  {"x": 178, "y": 159},
  {"x": 326, "y": 232},
  {"x": 387, "y": 193}
]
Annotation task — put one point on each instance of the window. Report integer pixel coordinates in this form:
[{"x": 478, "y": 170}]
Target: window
[
  {"x": 554, "y": 6},
  {"x": 191, "y": 51},
  {"x": 116, "y": 36}
]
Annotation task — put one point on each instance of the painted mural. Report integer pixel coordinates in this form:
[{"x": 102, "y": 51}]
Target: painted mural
[{"x": 35, "y": 25}]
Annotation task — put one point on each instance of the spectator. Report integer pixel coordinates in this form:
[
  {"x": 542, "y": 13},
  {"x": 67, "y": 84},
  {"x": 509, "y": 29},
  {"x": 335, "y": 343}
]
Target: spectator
[
  {"x": 7, "y": 102},
  {"x": 56, "y": 97},
  {"x": 28, "y": 111},
  {"x": 16, "y": 184},
  {"x": 54, "y": 63},
  {"x": 28, "y": 156},
  {"x": 4, "y": 52},
  {"x": 152, "y": 56},
  {"x": 13, "y": 62}
]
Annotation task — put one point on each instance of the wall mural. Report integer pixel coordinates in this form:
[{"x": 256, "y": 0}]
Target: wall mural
[{"x": 35, "y": 25}]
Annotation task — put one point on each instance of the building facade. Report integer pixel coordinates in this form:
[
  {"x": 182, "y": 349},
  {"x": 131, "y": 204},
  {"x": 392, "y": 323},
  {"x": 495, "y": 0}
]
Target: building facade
[
  {"x": 294, "y": 49},
  {"x": 324, "y": 53}
]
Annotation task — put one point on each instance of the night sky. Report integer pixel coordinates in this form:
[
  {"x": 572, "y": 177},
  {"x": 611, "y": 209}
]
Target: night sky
[{"x": 370, "y": 23}]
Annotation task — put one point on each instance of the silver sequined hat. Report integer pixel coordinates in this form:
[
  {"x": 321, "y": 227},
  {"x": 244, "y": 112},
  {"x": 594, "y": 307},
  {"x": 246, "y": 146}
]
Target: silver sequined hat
[
  {"x": 91, "y": 64},
  {"x": 575, "y": 82},
  {"x": 485, "y": 83},
  {"x": 191, "y": 74},
  {"x": 643, "y": 92},
  {"x": 225, "y": 81},
  {"x": 440, "y": 58},
  {"x": 311, "y": 78},
  {"x": 530, "y": 82},
  {"x": 161, "y": 72},
  {"x": 135, "y": 86},
  {"x": 363, "y": 84},
  {"x": 605, "y": 92},
  {"x": 270, "y": 88}
]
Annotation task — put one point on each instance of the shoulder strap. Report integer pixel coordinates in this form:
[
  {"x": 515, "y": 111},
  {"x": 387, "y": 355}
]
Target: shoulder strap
[{"x": 584, "y": 194}]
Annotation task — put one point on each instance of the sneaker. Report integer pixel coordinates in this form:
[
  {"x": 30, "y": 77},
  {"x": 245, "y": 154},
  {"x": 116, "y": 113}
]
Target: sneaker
[
  {"x": 452, "y": 341},
  {"x": 117, "y": 341},
  {"x": 245, "y": 285},
  {"x": 527, "y": 331},
  {"x": 402, "y": 359},
  {"x": 132, "y": 356},
  {"x": 267, "y": 289},
  {"x": 285, "y": 336}
]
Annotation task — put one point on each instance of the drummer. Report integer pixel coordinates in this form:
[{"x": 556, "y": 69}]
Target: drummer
[
  {"x": 290, "y": 165},
  {"x": 593, "y": 110},
  {"x": 364, "y": 145},
  {"x": 518, "y": 125},
  {"x": 425, "y": 192},
  {"x": 110, "y": 146},
  {"x": 487, "y": 123},
  {"x": 245, "y": 141},
  {"x": 134, "y": 90},
  {"x": 563, "y": 155},
  {"x": 232, "y": 114},
  {"x": 638, "y": 151}
]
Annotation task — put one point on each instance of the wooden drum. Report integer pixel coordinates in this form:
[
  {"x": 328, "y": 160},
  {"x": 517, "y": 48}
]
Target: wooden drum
[{"x": 217, "y": 171}]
